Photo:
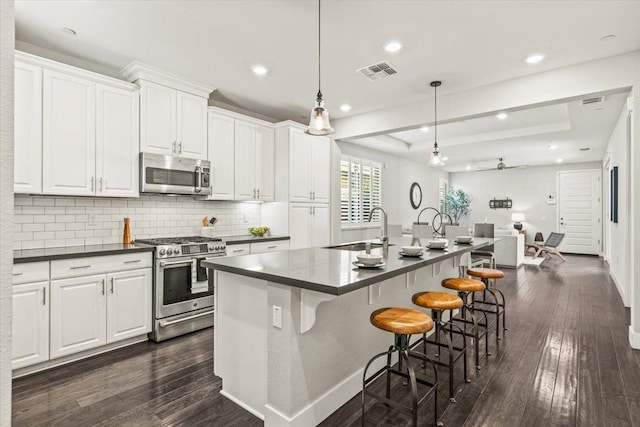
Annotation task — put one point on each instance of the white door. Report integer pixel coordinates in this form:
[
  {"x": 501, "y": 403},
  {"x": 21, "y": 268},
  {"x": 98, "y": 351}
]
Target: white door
[
  {"x": 27, "y": 176},
  {"x": 30, "y": 324},
  {"x": 128, "y": 304},
  {"x": 320, "y": 225},
  {"x": 321, "y": 163},
  {"x": 265, "y": 163},
  {"x": 221, "y": 155},
  {"x": 78, "y": 315},
  {"x": 192, "y": 126},
  {"x": 300, "y": 225},
  {"x": 117, "y": 142},
  {"x": 158, "y": 117},
  {"x": 245, "y": 161},
  {"x": 299, "y": 166},
  {"x": 68, "y": 135},
  {"x": 579, "y": 211}
]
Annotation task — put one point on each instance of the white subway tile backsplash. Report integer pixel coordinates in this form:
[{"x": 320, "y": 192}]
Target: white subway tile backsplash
[{"x": 42, "y": 221}]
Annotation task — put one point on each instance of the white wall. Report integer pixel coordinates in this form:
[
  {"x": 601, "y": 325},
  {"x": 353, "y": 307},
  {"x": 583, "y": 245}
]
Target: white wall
[
  {"x": 397, "y": 176},
  {"x": 6, "y": 203},
  {"x": 529, "y": 189},
  {"x": 46, "y": 221},
  {"x": 618, "y": 233}
]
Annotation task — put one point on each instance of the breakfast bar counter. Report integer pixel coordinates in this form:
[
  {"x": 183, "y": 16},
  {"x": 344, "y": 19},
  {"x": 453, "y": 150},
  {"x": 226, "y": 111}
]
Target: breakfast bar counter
[{"x": 291, "y": 328}]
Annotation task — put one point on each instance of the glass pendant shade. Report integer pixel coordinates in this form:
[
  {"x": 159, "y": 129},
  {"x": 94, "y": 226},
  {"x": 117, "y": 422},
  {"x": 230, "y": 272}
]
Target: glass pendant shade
[
  {"x": 319, "y": 120},
  {"x": 435, "y": 160}
]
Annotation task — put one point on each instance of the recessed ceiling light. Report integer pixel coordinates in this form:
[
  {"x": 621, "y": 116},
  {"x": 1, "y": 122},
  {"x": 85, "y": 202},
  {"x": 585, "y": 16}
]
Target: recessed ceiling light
[
  {"x": 393, "y": 47},
  {"x": 69, "y": 31},
  {"x": 259, "y": 70},
  {"x": 559, "y": 160},
  {"x": 501, "y": 116},
  {"x": 424, "y": 128},
  {"x": 535, "y": 58},
  {"x": 468, "y": 168},
  {"x": 608, "y": 38},
  {"x": 345, "y": 107},
  {"x": 552, "y": 147}
]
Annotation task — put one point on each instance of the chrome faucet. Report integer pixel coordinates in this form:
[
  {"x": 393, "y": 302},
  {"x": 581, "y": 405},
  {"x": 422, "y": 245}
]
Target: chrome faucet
[{"x": 385, "y": 233}]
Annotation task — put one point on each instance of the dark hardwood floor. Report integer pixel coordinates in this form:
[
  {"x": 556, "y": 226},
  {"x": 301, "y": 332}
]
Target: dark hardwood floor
[{"x": 565, "y": 361}]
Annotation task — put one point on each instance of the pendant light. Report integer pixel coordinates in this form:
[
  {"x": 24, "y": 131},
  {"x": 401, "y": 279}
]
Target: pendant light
[
  {"x": 435, "y": 159},
  {"x": 319, "y": 120}
]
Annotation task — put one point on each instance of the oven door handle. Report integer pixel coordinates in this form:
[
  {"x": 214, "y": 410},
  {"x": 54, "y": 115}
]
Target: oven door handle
[
  {"x": 164, "y": 323},
  {"x": 164, "y": 264}
]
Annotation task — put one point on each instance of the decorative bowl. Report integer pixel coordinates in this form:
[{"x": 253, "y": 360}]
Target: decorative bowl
[
  {"x": 369, "y": 259},
  {"x": 464, "y": 239},
  {"x": 259, "y": 231},
  {"x": 412, "y": 250},
  {"x": 437, "y": 244}
]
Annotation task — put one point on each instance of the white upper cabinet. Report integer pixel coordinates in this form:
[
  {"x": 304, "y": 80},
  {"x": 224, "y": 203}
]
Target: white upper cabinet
[
  {"x": 158, "y": 124},
  {"x": 68, "y": 134},
  {"x": 27, "y": 177},
  {"x": 173, "y": 112},
  {"x": 254, "y": 162},
  {"x": 309, "y": 166},
  {"x": 192, "y": 126},
  {"x": 221, "y": 155},
  {"x": 117, "y": 134}
]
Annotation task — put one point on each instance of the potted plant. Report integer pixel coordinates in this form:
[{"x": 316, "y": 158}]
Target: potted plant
[{"x": 457, "y": 203}]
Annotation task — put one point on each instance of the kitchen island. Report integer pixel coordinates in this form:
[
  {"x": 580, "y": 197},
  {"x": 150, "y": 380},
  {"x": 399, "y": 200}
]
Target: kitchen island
[{"x": 291, "y": 328}]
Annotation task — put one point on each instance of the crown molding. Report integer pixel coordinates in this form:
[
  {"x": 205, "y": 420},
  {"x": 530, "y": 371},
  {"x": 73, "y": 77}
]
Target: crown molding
[{"x": 137, "y": 71}]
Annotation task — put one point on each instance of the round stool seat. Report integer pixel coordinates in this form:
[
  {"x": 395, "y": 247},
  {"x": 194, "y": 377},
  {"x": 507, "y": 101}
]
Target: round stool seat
[
  {"x": 437, "y": 300},
  {"x": 485, "y": 273},
  {"x": 462, "y": 284},
  {"x": 403, "y": 321}
]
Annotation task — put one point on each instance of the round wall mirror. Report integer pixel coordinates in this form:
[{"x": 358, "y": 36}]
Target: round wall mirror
[{"x": 415, "y": 195}]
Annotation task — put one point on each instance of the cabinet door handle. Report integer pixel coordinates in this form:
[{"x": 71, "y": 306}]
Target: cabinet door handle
[
  {"x": 78, "y": 267},
  {"x": 314, "y": 210},
  {"x": 310, "y": 195},
  {"x": 258, "y": 191},
  {"x": 314, "y": 195},
  {"x": 102, "y": 282},
  {"x": 132, "y": 262},
  {"x": 44, "y": 296},
  {"x": 18, "y": 274},
  {"x": 272, "y": 247},
  {"x": 92, "y": 184},
  {"x": 100, "y": 180},
  {"x": 254, "y": 193},
  {"x": 180, "y": 147},
  {"x": 112, "y": 285},
  {"x": 238, "y": 251},
  {"x": 309, "y": 210},
  {"x": 173, "y": 150}
]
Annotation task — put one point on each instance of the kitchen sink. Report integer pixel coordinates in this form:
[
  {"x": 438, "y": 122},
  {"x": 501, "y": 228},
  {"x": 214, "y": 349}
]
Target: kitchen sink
[{"x": 357, "y": 246}]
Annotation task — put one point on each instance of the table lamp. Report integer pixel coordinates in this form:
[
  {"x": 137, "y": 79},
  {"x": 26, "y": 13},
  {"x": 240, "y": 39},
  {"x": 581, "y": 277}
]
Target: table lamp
[{"x": 517, "y": 218}]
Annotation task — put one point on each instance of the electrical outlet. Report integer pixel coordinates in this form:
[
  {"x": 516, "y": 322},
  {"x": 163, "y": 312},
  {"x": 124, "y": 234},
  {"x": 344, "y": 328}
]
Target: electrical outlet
[
  {"x": 244, "y": 218},
  {"x": 277, "y": 317},
  {"x": 92, "y": 220}
]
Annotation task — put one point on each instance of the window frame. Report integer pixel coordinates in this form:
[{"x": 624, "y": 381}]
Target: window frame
[{"x": 362, "y": 162}]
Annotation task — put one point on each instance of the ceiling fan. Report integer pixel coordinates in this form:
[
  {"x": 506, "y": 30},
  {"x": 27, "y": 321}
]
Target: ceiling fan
[{"x": 501, "y": 166}]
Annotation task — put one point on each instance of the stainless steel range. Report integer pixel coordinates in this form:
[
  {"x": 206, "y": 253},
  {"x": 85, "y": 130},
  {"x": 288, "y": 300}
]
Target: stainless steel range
[{"x": 182, "y": 291}]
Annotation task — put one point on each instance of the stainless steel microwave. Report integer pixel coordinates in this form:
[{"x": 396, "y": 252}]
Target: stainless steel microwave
[{"x": 174, "y": 175}]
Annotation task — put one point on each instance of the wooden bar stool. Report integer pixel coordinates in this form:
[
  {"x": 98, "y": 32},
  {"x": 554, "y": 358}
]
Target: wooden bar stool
[
  {"x": 402, "y": 322},
  {"x": 488, "y": 276},
  {"x": 466, "y": 287},
  {"x": 437, "y": 302}
]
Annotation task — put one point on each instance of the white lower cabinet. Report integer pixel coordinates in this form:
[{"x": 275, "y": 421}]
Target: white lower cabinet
[
  {"x": 128, "y": 304},
  {"x": 78, "y": 314},
  {"x": 270, "y": 246},
  {"x": 308, "y": 225},
  {"x": 30, "y": 342}
]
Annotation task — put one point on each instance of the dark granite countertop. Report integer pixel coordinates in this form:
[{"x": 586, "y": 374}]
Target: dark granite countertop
[
  {"x": 248, "y": 238},
  {"x": 331, "y": 270},
  {"x": 48, "y": 254}
]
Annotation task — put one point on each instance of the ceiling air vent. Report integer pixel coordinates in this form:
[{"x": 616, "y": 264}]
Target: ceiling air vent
[
  {"x": 594, "y": 100},
  {"x": 377, "y": 71},
  {"x": 585, "y": 148}
]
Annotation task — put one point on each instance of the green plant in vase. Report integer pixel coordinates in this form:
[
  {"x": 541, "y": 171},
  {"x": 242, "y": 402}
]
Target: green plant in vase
[{"x": 457, "y": 203}]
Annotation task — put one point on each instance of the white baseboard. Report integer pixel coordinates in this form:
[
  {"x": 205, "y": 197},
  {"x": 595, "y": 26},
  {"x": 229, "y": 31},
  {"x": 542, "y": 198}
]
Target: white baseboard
[
  {"x": 242, "y": 404},
  {"x": 620, "y": 288},
  {"x": 634, "y": 338}
]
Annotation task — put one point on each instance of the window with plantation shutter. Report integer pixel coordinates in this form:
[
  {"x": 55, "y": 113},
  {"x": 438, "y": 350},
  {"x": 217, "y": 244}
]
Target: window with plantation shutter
[
  {"x": 360, "y": 191},
  {"x": 443, "y": 188}
]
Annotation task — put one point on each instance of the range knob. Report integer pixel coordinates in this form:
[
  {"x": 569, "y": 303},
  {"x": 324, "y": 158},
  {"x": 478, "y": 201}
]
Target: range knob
[
  {"x": 176, "y": 251},
  {"x": 162, "y": 251},
  {"x": 169, "y": 251},
  {"x": 217, "y": 248}
]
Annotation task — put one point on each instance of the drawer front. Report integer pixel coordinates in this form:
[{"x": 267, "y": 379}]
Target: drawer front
[
  {"x": 76, "y": 267},
  {"x": 30, "y": 272},
  {"x": 241, "y": 249},
  {"x": 280, "y": 245}
]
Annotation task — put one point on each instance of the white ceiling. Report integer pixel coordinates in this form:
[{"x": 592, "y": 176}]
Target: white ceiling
[
  {"x": 522, "y": 139},
  {"x": 463, "y": 43}
]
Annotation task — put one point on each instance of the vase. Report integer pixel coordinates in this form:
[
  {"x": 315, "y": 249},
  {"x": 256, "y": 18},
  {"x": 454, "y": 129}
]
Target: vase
[{"x": 126, "y": 235}]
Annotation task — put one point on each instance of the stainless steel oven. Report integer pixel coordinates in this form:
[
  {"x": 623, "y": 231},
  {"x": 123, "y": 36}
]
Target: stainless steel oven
[
  {"x": 174, "y": 175},
  {"x": 183, "y": 293}
]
